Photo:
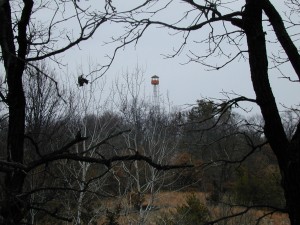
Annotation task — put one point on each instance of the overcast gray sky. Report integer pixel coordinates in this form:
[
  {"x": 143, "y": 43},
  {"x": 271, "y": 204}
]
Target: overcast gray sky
[{"x": 184, "y": 83}]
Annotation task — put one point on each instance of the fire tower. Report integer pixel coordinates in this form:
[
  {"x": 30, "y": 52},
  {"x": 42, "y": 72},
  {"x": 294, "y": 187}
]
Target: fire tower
[{"x": 155, "y": 83}]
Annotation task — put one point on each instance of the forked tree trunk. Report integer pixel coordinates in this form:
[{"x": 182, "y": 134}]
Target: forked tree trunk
[
  {"x": 14, "y": 206},
  {"x": 287, "y": 152}
]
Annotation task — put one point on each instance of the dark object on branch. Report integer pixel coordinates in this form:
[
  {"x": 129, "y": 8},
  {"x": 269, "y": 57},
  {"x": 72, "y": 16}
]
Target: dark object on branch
[
  {"x": 78, "y": 135},
  {"x": 82, "y": 81}
]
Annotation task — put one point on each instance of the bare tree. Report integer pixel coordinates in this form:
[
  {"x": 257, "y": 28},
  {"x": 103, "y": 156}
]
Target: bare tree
[
  {"x": 152, "y": 133},
  {"x": 91, "y": 117},
  {"x": 46, "y": 115},
  {"x": 25, "y": 38}
]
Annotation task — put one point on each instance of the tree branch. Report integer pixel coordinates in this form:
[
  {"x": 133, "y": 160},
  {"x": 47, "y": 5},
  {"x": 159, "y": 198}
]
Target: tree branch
[
  {"x": 107, "y": 162},
  {"x": 22, "y": 27},
  {"x": 53, "y": 214},
  {"x": 282, "y": 35},
  {"x": 228, "y": 17},
  {"x": 82, "y": 38}
]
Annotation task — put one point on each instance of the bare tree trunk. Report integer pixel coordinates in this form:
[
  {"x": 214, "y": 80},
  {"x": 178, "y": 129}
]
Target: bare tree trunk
[
  {"x": 81, "y": 195},
  {"x": 287, "y": 153},
  {"x": 14, "y": 63},
  {"x": 84, "y": 167},
  {"x": 282, "y": 35},
  {"x": 15, "y": 150},
  {"x": 291, "y": 179}
]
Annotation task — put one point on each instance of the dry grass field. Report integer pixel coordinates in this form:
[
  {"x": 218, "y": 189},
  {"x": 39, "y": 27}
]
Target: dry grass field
[{"x": 166, "y": 202}]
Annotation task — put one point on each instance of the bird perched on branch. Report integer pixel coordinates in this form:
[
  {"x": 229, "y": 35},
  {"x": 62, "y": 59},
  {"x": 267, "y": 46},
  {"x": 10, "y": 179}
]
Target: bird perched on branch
[{"x": 82, "y": 81}]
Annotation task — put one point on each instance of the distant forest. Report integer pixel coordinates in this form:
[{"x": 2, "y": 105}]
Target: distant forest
[{"x": 218, "y": 152}]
